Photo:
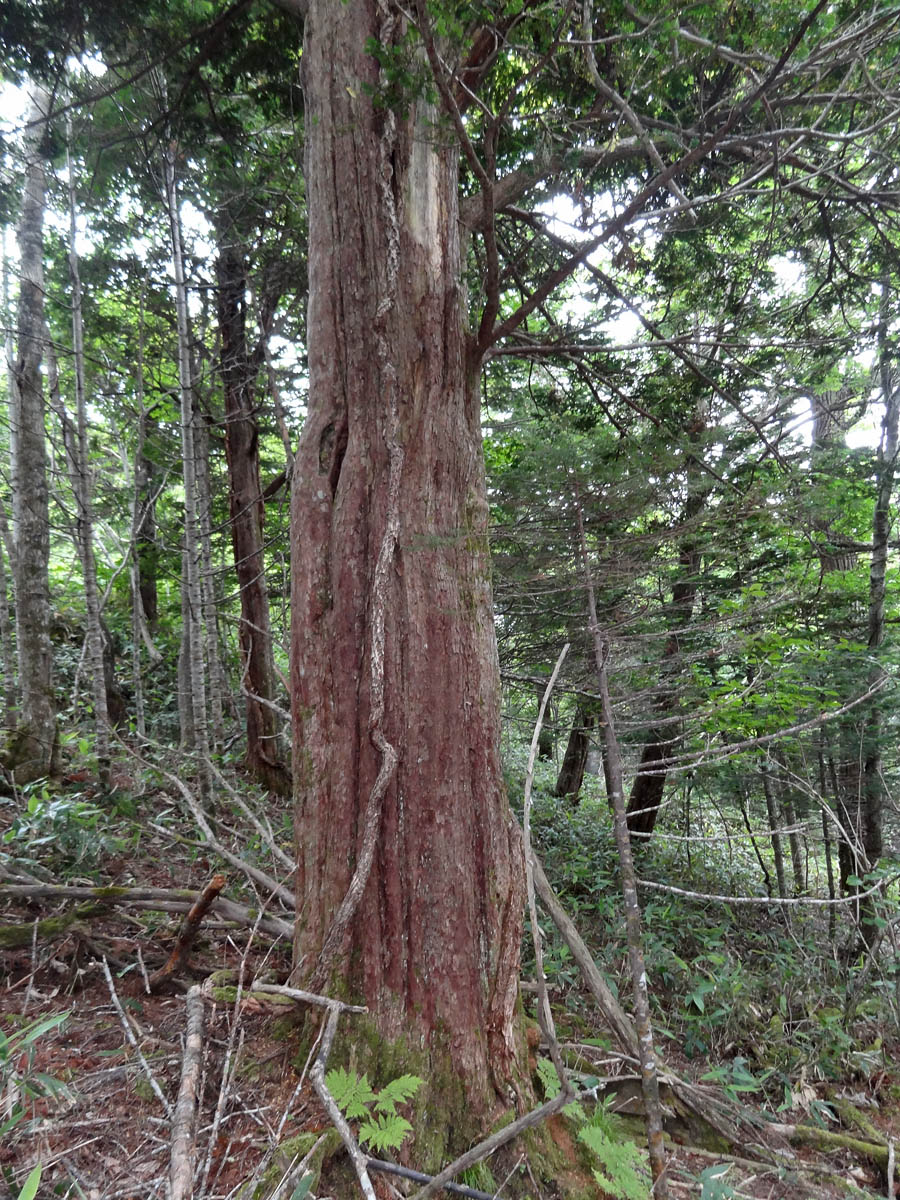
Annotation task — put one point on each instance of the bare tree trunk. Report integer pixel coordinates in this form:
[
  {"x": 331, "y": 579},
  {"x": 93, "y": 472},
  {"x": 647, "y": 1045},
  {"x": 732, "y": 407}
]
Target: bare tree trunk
[
  {"x": 192, "y": 602},
  {"x": 797, "y": 864},
  {"x": 546, "y": 741},
  {"x": 826, "y": 838},
  {"x": 214, "y": 672},
  {"x": 32, "y": 752},
  {"x": 650, "y": 781},
  {"x": 571, "y": 774},
  {"x": 873, "y": 790},
  {"x": 185, "y": 699},
  {"x": 410, "y": 872},
  {"x": 774, "y": 827},
  {"x": 247, "y": 511},
  {"x": 640, "y": 992},
  {"x": 79, "y": 474},
  {"x": 7, "y": 641},
  {"x": 7, "y": 649}
]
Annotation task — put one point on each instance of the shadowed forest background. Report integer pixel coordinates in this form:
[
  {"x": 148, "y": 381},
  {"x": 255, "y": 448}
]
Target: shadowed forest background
[{"x": 360, "y": 357}]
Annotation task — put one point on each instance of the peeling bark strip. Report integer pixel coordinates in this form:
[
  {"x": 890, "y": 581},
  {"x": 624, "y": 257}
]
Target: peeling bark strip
[{"x": 393, "y": 642}]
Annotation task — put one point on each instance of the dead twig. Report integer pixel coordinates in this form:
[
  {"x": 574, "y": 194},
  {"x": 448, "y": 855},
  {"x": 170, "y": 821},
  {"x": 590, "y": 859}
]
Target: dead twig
[
  {"x": 129, "y": 1034},
  {"x": 158, "y": 899},
  {"x": 189, "y": 930},
  {"x": 181, "y": 1163},
  {"x": 544, "y": 1012},
  {"x": 491, "y": 1144}
]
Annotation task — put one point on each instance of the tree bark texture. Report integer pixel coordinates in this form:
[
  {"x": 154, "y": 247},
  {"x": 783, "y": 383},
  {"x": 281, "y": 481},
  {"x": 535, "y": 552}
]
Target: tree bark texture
[
  {"x": 247, "y": 511},
  {"x": 34, "y": 751},
  {"x": 393, "y": 649}
]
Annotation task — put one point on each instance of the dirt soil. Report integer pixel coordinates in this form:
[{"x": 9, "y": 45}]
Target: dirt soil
[{"x": 106, "y": 1135}]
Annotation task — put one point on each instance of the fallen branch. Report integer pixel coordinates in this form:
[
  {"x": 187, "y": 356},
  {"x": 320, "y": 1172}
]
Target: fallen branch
[
  {"x": 617, "y": 1020},
  {"x": 714, "y": 1112},
  {"x": 189, "y": 931},
  {"x": 302, "y": 997},
  {"x": 853, "y": 1118},
  {"x": 129, "y": 1034},
  {"x": 157, "y": 899},
  {"x": 181, "y": 1163},
  {"x": 264, "y": 832},
  {"x": 16, "y": 937},
  {"x": 491, "y": 1144},
  {"x": 458, "y": 1189},
  {"x": 825, "y": 1140},
  {"x": 270, "y": 885}
]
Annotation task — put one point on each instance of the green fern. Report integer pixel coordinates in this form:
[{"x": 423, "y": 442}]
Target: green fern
[
  {"x": 381, "y": 1128},
  {"x": 551, "y": 1088},
  {"x": 624, "y": 1173},
  {"x": 384, "y": 1131},
  {"x": 398, "y": 1091},
  {"x": 351, "y": 1092}
]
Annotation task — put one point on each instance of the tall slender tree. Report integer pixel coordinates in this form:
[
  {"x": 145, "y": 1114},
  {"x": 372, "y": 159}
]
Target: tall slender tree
[{"x": 31, "y": 753}]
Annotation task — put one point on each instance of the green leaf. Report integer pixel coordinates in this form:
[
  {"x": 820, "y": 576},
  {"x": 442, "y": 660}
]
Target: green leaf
[
  {"x": 29, "y": 1191},
  {"x": 302, "y": 1188},
  {"x": 712, "y": 1183},
  {"x": 39, "y": 1028}
]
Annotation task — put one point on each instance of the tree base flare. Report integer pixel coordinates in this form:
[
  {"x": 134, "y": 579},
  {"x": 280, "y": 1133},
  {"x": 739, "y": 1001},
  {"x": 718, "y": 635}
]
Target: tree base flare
[{"x": 445, "y": 1121}]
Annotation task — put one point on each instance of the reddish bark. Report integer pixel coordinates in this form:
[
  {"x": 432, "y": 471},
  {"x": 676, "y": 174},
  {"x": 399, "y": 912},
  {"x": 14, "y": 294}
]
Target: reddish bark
[
  {"x": 433, "y": 947},
  {"x": 247, "y": 514}
]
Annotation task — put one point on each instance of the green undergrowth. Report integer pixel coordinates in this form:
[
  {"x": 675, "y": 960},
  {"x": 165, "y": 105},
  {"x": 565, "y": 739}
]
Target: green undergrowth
[{"x": 765, "y": 1001}]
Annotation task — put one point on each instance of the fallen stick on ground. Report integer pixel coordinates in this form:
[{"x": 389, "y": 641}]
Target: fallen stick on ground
[
  {"x": 129, "y": 1034},
  {"x": 181, "y": 1162},
  {"x": 161, "y": 899},
  {"x": 189, "y": 930}
]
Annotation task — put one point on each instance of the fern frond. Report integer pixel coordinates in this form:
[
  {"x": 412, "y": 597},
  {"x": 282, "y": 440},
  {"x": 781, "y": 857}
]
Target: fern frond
[
  {"x": 624, "y": 1173},
  {"x": 384, "y": 1131},
  {"x": 351, "y": 1092},
  {"x": 398, "y": 1091}
]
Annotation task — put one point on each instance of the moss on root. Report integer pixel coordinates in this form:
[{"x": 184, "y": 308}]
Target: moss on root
[
  {"x": 288, "y": 1157},
  {"x": 546, "y": 1160}
]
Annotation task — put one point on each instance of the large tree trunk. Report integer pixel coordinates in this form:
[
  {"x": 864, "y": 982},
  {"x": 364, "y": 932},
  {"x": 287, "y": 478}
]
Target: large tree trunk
[
  {"x": 32, "y": 753},
  {"x": 247, "y": 513},
  {"x": 393, "y": 648}
]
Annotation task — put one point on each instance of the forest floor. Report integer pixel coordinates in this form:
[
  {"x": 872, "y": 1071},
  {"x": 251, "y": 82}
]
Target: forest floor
[{"x": 90, "y": 1090}]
